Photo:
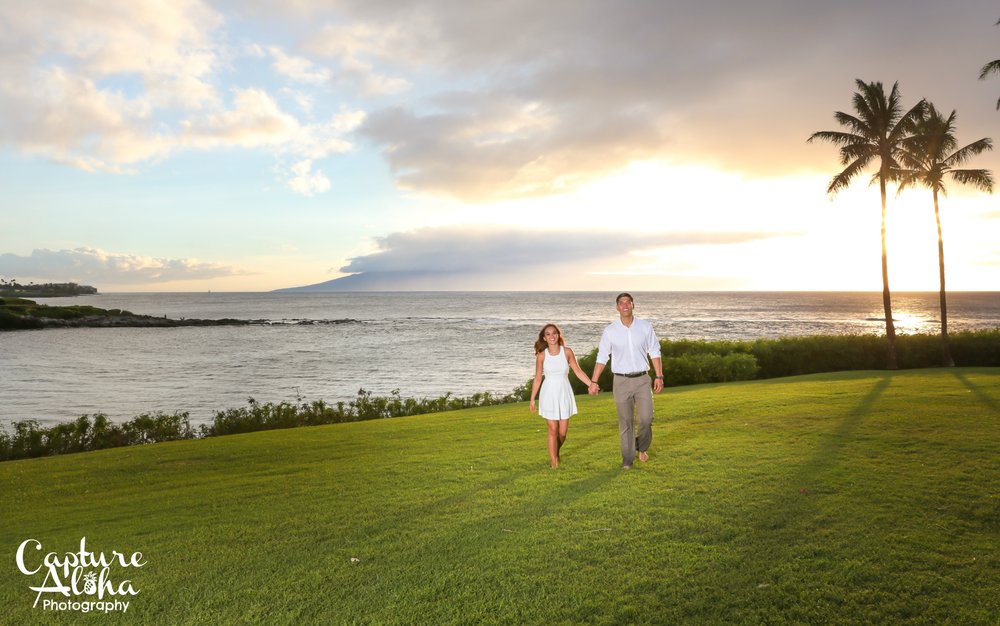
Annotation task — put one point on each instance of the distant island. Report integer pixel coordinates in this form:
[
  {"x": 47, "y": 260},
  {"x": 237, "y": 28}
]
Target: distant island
[{"x": 12, "y": 288}]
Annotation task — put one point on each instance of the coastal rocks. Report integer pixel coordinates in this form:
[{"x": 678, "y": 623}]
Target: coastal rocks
[
  {"x": 147, "y": 321},
  {"x": 133, "y": 321},
  {"x": 22, "y": 314},
  {"x": 305, "y": 322}
]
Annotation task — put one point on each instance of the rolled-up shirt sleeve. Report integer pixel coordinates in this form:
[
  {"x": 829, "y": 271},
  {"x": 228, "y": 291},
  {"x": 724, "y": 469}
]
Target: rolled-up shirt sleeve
[
  {"x": 604, "y": 348},
  {"x": 653, "y": 348}
]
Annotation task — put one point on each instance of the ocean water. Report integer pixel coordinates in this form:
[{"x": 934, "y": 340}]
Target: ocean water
[{"x": 423, "y": 344}]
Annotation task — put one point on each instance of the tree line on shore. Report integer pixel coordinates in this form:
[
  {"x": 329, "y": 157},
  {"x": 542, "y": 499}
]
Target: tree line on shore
[{"x": 44, "y": 290}]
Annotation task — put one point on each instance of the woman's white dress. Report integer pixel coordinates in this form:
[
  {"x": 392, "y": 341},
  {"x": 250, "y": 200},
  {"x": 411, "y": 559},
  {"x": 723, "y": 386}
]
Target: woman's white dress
[{"x": 555, "y": 398}]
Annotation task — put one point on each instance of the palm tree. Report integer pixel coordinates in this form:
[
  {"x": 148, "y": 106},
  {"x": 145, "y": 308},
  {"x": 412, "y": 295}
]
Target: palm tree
[
  {"x": 929, "y": 156},
  {"x": 876, "y": 132},
  {"x": 993, "y": 67}
]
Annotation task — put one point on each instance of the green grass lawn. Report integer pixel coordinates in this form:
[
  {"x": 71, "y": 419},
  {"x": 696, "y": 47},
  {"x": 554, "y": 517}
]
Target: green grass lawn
[{"x": 863, "y": 497}]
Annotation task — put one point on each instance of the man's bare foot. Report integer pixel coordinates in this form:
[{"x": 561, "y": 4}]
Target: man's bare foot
[{"x": 643, "y": 456}]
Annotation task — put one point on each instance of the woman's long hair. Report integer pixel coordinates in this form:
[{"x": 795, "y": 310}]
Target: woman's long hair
[{"x": 541, "y": 344}]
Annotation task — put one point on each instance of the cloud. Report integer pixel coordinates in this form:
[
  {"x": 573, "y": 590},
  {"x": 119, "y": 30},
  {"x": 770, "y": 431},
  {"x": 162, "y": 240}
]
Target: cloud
[
  {"x": 299, "y": 69},
  {"x": 306, "y": 182},
  {"x": 535, "y": 98},
  {"x": 475, "y": 100},
  {"x": 472, "y": 250},
  {"x": 169, "y": 45},
  {"x": 68, "y": 119},
  {"x": 92, "y": 266},
  {"x": 114, "y": 85},
  {"x": 61, "y": 63},
  {"x": 357, "y": 47},
  {"x": 254, "y": 120}
]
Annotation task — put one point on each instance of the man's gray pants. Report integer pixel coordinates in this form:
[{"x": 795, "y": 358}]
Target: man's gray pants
[{"x": 634, "y": 401}]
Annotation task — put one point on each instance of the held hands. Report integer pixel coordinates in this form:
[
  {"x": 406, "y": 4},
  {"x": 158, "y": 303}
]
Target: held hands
[{"x": 594, "y": 388}]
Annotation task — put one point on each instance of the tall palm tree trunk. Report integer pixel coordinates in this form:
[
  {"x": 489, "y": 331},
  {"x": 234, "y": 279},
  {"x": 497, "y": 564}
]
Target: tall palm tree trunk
[
  {"x": 945, "y": 345},
  {"x": 890, "y": 328}
]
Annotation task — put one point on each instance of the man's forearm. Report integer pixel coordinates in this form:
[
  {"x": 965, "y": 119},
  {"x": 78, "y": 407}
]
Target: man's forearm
[{"x": 598, "y": 368}]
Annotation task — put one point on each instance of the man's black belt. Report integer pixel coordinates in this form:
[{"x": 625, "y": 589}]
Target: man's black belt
[{"x": 632, "y": 374}]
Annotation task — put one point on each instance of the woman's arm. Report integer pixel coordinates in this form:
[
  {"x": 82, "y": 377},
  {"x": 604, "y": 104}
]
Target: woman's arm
[
  {"x": 576, "y": 368},
  {"x": 535, "y": 384}
]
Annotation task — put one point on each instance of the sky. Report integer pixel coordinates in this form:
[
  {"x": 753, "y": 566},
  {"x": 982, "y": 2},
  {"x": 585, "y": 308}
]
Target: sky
[{"x": 520, "y": 145}]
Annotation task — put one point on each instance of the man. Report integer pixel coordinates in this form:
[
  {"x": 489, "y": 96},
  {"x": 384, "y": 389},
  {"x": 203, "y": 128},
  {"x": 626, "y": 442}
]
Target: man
[{"x": 631, "y": 342}]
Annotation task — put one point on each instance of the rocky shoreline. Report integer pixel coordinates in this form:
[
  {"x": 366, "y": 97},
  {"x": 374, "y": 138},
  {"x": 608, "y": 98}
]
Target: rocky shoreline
[
  {"x": 21, "y": 314},
  {"x": 144, "y": 321}
]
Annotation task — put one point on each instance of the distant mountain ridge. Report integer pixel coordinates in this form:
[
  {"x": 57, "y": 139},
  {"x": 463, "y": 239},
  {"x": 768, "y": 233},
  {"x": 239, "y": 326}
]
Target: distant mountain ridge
[{"x": 390, "y": 281}]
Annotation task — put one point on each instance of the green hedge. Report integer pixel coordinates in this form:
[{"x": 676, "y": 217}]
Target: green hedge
[
  {"x": 687, "y": 361},
  {"x": 29, "y": 439},
  {"x": 807, "y": 355},
  {"x": 695, "y": 369}
]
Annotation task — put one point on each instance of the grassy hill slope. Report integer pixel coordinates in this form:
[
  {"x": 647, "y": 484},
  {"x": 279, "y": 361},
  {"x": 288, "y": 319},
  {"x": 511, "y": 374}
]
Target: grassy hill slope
[{"x": 839, "y": 498}]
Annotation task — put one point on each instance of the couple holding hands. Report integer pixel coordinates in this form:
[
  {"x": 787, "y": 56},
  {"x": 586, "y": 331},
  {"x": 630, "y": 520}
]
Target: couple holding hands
[{"x": 630, "y": 343}]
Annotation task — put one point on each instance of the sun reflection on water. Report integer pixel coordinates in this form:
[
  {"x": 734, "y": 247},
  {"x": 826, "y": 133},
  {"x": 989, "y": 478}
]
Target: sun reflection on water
[{"x": 906, "y": 322}]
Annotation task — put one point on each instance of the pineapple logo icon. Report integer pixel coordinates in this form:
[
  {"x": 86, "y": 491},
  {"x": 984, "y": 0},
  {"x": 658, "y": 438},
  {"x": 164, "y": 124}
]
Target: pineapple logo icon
[{"x": 90, "y": 584}]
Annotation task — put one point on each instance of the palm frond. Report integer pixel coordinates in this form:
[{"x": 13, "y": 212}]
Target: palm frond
[
  {"x": 857, "y": 150},
  {"x": 993, "y": 67},
  {"x": 904, "y": 123},
  {"x": 832, "y": 136},
  {"x": 973, "y": 149},
  {"x": 853, "y": 123},
  {"x": 905, "y": 178},
  {"x": 980, "y": 179},
  {"x": 844, "y": 178}
]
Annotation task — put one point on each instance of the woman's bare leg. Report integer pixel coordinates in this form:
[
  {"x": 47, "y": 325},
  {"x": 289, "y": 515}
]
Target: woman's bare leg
[
  {"x": 553, "y": 442},
  {"x": 563, "y": 430}
]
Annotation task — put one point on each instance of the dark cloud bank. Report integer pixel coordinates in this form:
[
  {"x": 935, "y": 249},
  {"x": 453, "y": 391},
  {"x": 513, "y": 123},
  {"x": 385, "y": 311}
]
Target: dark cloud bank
[{"x": 477, "y": 258}]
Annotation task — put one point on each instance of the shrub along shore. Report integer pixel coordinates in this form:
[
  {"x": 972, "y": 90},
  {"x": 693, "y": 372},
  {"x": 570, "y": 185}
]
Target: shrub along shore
[{"x": 685, "y": 362}]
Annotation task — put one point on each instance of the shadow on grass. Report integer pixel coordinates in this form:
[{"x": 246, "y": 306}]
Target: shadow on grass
[
  {"x": 981, "y": 395},
  {"x": 790, "y": 501},
  {"x": 832, "y": 444},
  {"x": 555, "y": 496}
]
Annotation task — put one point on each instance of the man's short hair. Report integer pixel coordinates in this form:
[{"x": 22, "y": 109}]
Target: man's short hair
[{"x": 624, "y": 294}]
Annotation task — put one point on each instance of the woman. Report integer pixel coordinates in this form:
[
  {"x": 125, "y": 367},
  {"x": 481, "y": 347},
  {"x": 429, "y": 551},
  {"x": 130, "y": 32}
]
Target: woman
[{"x": 556, "y": 403}]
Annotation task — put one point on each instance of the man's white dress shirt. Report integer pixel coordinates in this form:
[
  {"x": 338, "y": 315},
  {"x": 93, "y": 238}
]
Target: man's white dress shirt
[{"x": 628, "y": 346}]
